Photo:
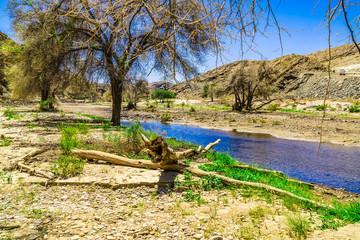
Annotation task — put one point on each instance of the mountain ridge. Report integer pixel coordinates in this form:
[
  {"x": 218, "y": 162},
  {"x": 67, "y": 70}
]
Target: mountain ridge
[{"x": 301, "y": 76}]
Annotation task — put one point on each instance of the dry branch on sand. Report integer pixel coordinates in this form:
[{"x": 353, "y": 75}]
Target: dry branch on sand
[
  {"x": 170, "y": 156},
  {"x": 20, "y": 163}
]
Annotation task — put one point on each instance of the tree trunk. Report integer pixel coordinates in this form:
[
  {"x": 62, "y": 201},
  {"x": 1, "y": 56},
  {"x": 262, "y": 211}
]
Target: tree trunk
[
  {"x": 45, "y": 93},
  {"x": 116, "y": 91}
]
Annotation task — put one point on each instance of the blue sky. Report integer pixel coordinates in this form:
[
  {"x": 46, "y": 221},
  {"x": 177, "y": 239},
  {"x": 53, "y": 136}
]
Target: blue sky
[{"x": 302, "y": 18}]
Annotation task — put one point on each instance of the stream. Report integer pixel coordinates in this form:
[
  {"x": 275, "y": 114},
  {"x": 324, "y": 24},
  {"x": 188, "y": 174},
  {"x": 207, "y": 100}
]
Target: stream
[{"x": 336, "y": 166}]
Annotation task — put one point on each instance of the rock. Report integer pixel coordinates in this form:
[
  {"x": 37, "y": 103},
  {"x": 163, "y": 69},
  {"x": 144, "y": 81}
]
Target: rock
[
  {"x": 39, "y": 221},
  {"x": 198, "y": 236}
]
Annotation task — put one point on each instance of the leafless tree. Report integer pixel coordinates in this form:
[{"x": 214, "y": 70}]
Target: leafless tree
[
  {"x": 135, "y": 88},
  {"x": 251, "y": 82}
]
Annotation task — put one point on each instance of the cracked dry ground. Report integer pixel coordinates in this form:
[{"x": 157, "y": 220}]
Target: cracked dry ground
[{"x": 39, "y": 211}]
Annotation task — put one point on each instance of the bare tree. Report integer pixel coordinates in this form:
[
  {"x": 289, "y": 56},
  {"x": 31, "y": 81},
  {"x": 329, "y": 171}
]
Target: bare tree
[
  {"x": 135, "y": 88},
  {"x": 251, "y": 82}
]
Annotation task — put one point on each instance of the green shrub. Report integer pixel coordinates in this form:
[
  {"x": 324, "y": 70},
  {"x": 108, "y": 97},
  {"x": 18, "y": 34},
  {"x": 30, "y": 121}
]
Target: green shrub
[
  {"x": 252, "y": 120},
  {"x": 47, "y": 105},
  {"x": 192, "y": 109},
  {"x": 192, "y": 196},
  {"x": 277, "y": 122},
  {"x": 67, "y": 166},
  {"x": 257, "y": 212},
  {"x": 165, "y": 117},
  {"x": 273, "y": 107},
  {"x": 133, "y": 137},
  {"x": 4, "y": 141},
  {"x": 162, "y": 94},
  {"x": 321, "y": 107},
  {"x": 298, "y": 225},
  {"x": 328, "y": 222},
  {"x": 169, "y": 103},
  {"x": 115, "y": 140},
  {"x": 9, "y": 112},
  {"x": 68, "y": 139},
  {"x": 354, "y": 108},
  {"x": 5, "y": 176}
]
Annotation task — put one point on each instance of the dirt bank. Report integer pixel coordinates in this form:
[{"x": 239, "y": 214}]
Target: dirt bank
[{"x": 337, "y": 128}]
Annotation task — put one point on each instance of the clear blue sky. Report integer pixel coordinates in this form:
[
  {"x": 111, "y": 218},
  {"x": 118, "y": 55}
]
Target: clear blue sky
[{"x": 302, "y": 18}]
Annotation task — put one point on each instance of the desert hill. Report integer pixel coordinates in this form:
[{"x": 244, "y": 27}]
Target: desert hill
[{"x": 297, "y": 75}]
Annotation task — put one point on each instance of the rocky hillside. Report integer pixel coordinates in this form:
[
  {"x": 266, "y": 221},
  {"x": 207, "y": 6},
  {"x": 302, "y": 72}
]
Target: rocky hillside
[
  {"x": 297, "y": 75},
  {"x": 160, "y": 85}
]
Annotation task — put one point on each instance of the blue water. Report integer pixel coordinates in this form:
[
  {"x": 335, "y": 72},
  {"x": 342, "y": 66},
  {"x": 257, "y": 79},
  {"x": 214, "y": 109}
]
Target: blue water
[{"x": 336, "y": 166}]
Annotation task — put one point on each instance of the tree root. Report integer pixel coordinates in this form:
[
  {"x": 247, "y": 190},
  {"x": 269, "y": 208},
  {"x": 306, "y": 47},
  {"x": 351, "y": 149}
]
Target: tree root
[
  {"x": 91, "y": 154},
  {"x": 160, "y": 152}
]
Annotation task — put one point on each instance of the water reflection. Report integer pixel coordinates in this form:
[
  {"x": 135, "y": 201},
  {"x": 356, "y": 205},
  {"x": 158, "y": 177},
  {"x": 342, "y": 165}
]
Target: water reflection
[{"x": 336, "y": 166}]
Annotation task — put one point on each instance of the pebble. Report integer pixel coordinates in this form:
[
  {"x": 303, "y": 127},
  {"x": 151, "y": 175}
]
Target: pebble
[{"x": 198, "y": 236}]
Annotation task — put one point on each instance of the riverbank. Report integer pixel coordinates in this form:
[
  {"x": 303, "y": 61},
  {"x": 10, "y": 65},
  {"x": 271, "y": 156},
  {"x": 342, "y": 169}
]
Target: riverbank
[{"x": 337, "y": 128}]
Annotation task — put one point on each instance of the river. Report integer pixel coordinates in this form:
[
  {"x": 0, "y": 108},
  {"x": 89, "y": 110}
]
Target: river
[{"x": 335, "y": 166}]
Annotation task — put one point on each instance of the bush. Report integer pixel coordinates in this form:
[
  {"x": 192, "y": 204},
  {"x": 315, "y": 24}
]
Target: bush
[
  {"x": 4, "y": 141},
  {"x": 273, "y": 107},
  {"x": 133, "y": 137},
  {"x": 165, "y": 117},
  {"x": 68, "y": 139},
  {"x": 67, "y": 166},
  {"x": 9, "y": 112},
  {"x": 321, "y": 107},
  {"x": 298, "y": 225},
  {"x": 192, "y": 109},
  {"x": 169, "y": 103},
  {"x": 47, "y": 105},
  {"x": 162, "y": 94},
  {"x": 354, "y": 108}
]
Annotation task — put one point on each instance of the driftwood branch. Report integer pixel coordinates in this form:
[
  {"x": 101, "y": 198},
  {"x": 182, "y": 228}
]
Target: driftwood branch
[
  {"x": 33, "y": 171},
  {"x": 160, "y": 152},
  {"x": 26, "y": 156},
  {"x": 20, "y": 163},
  {"x": 91, "y": 154}
]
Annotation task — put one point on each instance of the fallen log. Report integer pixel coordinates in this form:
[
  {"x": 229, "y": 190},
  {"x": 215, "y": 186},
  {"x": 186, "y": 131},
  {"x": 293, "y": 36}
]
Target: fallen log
[
  {"x": 92, "y": 154},
  {"x": 20, "y": 163},
  {"x": 160, "y": 152},
  {"x": 25, "y": 157},
  {"x": 33, "y": 171},
  {"x": 9, "y": 227}
]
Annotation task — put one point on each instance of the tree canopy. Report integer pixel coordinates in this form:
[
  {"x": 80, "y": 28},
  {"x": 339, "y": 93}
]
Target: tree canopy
[{"x": 162, "y": 94}]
